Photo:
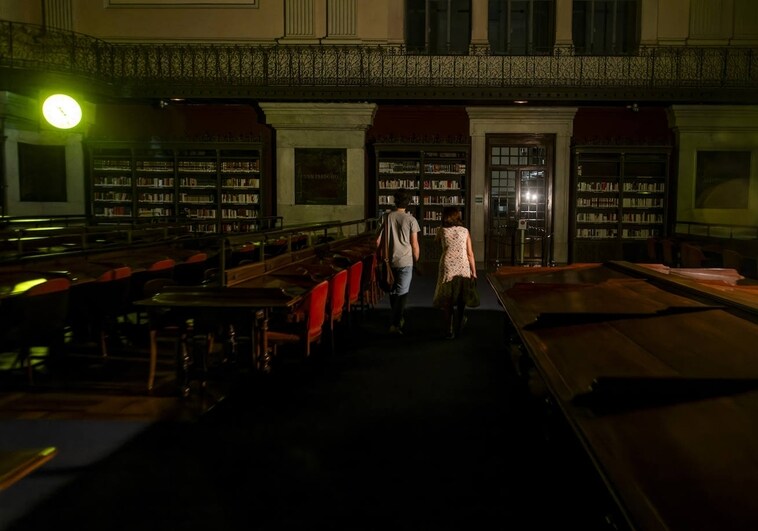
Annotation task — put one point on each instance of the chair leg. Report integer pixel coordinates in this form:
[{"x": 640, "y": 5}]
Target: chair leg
[{"x": 103, "y": 343}]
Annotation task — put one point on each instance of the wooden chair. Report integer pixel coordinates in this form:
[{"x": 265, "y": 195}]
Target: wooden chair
[
  {"x": 99, "y": 306},
  {"x": 691, "y": 255},
  {"x": 163, "y": 268},
  {"x": 191, "y": 271},
  {"x": 354, "y": 274},
  {"x": 37, "y": 317},
  {"x": 732, "y": 259},
  {"x": 669, "y": 252},
  {"x": 336, "y": 303},
  {"x": 163, "y": 324},
  {"x": 653, "y": 254},
  {"x": 306, "y": 332}
]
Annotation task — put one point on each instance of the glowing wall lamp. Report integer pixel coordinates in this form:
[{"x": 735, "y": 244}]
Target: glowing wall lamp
[{"x": 62, "y": 111}]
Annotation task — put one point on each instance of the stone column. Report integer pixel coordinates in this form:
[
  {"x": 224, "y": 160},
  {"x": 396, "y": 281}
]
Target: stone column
[
  {"x": 564, "y": 40},
  {"x": 480, "y": 43}
]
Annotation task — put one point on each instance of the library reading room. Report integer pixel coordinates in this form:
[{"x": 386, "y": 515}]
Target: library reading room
[{"x": 394, "y": 265}]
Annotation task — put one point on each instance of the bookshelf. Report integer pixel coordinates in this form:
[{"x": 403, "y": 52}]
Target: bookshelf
[
  {"x": 217, "y": 186},
  {"x": 437, "y": 176},
  {"x": 620, "y": 199}
]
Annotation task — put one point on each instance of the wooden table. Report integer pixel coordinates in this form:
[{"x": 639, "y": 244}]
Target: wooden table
[
  {"x": 659, "y": 382},
  {"x": 227, "y": 304}
]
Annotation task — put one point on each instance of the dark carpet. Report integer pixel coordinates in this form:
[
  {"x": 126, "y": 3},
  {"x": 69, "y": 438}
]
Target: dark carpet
[{"x": 411, "y": 432}]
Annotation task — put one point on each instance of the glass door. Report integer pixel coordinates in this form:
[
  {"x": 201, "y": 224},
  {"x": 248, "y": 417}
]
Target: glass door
[{"x": 519, "y": 189}]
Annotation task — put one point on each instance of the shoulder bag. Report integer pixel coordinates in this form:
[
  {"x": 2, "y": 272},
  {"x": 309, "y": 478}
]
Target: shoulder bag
[
  {"x": 471, "y": 293},
  {"x": 385, "y": 277}
]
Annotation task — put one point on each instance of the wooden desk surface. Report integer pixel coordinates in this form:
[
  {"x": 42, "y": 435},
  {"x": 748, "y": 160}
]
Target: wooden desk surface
[
  {"x": 17, "y": 464},
  {"x": 222, "y": 298},
  {"x": 661, "y": 389}
]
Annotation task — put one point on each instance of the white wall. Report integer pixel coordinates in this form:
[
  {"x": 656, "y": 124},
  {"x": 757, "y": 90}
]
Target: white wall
[{"x": 75, "y": 192}]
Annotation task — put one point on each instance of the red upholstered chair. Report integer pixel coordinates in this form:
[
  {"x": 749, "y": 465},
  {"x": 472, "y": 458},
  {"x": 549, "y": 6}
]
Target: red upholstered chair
[
  {"x": 98, "y": 307},
  {"x": 335, "y": 306},
  {"x": 307, "y": 332},
  {"x": 354, "y": 273},
  {"x": 163, "y": 268}
]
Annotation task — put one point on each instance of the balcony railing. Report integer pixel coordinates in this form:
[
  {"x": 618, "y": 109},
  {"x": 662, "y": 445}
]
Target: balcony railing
[{"x": 240, "y": 69}]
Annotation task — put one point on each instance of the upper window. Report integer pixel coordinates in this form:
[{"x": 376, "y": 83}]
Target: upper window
[
  {"x": 521, "y": 27},
  {"x": 605, "y": 27},
  {"x": 438, "y": 26}
]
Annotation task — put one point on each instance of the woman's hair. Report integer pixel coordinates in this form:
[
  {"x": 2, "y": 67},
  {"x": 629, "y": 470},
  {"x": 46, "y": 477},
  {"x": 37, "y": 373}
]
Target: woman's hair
[{"x": 451, "y": 217}]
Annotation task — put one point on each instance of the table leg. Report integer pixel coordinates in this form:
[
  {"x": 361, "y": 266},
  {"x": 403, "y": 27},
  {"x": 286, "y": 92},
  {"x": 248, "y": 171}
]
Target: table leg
[
  {"x": 261, "y": 356},
  {"x": 183, "y": 363}
]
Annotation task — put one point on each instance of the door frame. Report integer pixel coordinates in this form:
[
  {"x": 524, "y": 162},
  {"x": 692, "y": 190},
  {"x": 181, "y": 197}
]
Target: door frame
[
  {"x": 546, "y": 140},
  {"x": 518, "y": 119}
]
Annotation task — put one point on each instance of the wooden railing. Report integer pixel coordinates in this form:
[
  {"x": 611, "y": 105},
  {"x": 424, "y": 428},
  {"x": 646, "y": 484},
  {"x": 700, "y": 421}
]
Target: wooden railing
[
  {"x": 266, "y": 248},
  {"x": 24, "y": 238},
  {"x": 716, "y": 230}
]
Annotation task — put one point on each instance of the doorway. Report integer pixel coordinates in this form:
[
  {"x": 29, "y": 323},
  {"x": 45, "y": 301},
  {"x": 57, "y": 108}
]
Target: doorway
[{"x": 519, "y": 188}]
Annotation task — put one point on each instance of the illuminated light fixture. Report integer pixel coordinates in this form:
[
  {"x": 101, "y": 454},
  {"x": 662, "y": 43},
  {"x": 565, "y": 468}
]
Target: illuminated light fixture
[
  {"x": 62, "y": 111},
  {"x": 520, "y": 102}
]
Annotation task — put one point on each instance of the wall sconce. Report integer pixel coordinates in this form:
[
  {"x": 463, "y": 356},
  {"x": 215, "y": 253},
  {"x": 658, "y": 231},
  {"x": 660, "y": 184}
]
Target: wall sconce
[{"x": 62, "y": 111}]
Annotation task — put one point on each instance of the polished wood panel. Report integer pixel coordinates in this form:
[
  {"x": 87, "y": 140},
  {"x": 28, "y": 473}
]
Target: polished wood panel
[
  {"x": 17, "y": 464},
  {"x": 659, "y": 384}
]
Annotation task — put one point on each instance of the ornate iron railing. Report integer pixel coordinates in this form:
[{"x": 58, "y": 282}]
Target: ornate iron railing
[{"x": 155, "y": 69}]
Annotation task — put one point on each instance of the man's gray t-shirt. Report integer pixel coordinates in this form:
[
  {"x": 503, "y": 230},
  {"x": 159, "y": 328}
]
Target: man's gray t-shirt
[{"x": 402, "y": 225}]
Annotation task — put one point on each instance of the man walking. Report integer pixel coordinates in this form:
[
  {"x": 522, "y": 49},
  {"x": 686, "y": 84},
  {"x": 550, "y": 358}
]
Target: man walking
[{"x": 404, "y": 253}]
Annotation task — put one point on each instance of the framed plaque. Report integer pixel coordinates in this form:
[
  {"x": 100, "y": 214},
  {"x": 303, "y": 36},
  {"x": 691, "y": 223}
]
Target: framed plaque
[
  {"x": 722, "y": 179},
  {"x": 320, "y": 176}
]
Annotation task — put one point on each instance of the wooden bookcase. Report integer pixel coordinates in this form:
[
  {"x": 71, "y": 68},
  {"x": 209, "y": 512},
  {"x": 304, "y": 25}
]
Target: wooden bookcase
[
  {"x": 217, "y": 186},
  {"x": 436, "y": 174},
  {"x": 620, "y": 199}
]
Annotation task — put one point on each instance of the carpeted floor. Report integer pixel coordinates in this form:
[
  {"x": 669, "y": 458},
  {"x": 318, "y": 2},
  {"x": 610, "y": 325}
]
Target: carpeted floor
[{"x": 411, "y": 432}]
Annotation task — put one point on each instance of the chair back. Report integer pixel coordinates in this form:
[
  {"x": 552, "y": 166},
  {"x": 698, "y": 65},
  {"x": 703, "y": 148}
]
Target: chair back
[
  {"x": 691, "y": 255},
  {"x": 162, "y": 265},
  {"x": 317, "y": 309},
  {"x": 668, "y": 251},
  {"x": 197, "y": 257},
  {"x": 653, "y": 255},
  {"x": 155, "y": 286},
  {"x": 160, "y": 269},
  {"x": 190, "y": 272},
  {"x": 51, "y": 285},
  {"x": 355, "y": 272},
  {"x": 337, "y": 293},
  {"x": 732, "y": 259}
]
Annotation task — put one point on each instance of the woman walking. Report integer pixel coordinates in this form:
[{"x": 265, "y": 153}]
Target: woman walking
[{"x": 456, "y": 269}]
